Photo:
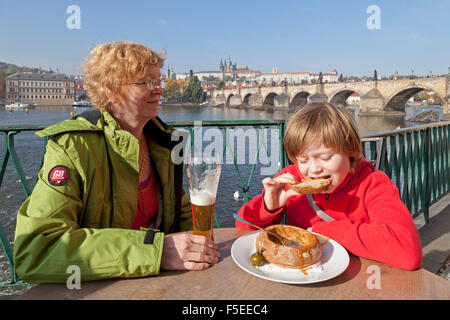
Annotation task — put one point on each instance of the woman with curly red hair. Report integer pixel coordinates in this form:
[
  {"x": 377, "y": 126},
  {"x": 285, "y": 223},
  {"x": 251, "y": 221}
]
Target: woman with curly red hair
[{"x": 109, "y": 195}]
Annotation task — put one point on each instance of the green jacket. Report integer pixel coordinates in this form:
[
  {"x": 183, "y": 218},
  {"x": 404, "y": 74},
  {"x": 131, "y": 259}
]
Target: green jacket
[{"x": 86, "y": 221}]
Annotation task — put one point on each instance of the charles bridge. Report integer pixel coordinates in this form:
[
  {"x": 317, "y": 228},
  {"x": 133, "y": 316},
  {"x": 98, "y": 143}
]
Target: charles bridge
[{"x": 376, "y": 96}]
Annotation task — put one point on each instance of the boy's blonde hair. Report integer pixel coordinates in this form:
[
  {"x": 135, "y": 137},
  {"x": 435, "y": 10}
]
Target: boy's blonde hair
[
  {"x": 108, "y": 66},
  {"x": 325, "y": 124}
]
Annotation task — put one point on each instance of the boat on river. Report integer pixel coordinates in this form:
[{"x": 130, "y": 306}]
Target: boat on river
[
  {"x": 82, "y": 103},
  {"x": 20, "y": 105}
]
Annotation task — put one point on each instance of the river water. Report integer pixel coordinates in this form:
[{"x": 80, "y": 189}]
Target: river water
[{"x": 29, "y": 148}]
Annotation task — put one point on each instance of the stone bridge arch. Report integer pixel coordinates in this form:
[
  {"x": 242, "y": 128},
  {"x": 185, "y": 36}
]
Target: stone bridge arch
[
  {"x": 269, "y": 99},
  {"x": 300, "y": 99},
  {"x": 397, "y": 101},
  {"x": 340, "y": 97},
  {"x": 229, "y": 99},
  {"x": 246, "y": 98}
]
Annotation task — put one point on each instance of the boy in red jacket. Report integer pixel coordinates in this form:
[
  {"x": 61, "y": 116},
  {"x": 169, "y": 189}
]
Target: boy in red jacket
[{"x": 362, "y": 206}]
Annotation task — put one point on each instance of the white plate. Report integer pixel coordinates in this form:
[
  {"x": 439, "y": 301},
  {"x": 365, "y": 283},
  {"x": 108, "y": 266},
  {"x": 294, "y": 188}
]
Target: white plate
[{"x": 333, "y": 262}]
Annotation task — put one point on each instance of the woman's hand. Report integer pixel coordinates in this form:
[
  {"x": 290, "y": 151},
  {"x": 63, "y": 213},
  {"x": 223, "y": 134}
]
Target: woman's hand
[
  {"x": 275, "y": 196},
  {"x": 184, "y": 251}
]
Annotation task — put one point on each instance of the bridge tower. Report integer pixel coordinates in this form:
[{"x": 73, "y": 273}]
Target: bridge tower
[
  {"x": 373, "y": 100},
  {"x": 320, "y": 95}
]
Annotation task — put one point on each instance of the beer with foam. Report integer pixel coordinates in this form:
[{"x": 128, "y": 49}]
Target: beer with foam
[
  {"x": 203, "y": 204},
  {"x": 203, "y": 178}
]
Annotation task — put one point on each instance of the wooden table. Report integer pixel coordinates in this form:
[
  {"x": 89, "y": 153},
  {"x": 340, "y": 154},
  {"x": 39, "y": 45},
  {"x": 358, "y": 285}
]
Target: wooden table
[{"x": 226, "y": 281}]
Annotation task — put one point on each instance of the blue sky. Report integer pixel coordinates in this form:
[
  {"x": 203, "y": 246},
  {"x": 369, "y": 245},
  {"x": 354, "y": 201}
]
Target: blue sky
[{"x": 293, "y": 35}]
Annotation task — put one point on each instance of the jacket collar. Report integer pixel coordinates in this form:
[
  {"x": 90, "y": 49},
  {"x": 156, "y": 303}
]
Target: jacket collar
[{"x": 156, "y": 129}]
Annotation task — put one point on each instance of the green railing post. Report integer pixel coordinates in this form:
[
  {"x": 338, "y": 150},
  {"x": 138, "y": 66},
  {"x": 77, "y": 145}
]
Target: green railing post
[
  {"x": 427, "y": 170},
  {"x": 14, "y": 278},
  {"x": 409, "y": 187},
  {"x": 17, "y": 164},
  {"x": 284, "y": 160},
  {"x": 5, "y": 159},
  {"x": 9, "y": 150}
]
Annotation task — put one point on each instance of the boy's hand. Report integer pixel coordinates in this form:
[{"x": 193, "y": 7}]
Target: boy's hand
[{"x": 275, "y": 195}]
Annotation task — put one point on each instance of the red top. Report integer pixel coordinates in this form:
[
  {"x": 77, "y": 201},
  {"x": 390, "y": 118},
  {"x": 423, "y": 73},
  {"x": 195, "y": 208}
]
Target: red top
[
  {"x": 147, "y": 208},
  {"x": 371, "y": 221}
]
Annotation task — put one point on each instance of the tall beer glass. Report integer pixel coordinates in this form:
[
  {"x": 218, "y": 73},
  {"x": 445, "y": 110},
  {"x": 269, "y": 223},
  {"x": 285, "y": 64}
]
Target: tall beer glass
[{"x": 203, "y": 175}]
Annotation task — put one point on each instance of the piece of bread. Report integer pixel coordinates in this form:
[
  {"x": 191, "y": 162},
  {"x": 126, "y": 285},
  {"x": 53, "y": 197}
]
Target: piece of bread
[
  {"x": 289, "y": 256},
  {"x": 313, "y": 185}
]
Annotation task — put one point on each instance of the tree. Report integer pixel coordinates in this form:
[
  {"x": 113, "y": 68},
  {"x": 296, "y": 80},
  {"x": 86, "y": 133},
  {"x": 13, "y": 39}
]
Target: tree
[
  {"x": 171, "y": 90},
  {"x": 196, "y": 89},
  {"x": 174, "y": 89},
  {"x": 424, "y": 95},
  {"x": 437, "y": 99},
  {"x": 193, "y": 91},
  {"x": 341, "y": 78}
]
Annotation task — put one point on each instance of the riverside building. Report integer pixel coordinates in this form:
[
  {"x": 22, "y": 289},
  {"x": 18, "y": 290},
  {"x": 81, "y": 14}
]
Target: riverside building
[{"x": 40, "y": 89}]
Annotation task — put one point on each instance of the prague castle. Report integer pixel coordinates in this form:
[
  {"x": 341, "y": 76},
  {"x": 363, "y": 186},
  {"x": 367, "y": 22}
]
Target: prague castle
[
  {"x": 227, "y": 72},
  {"x": 230, "y": 71}
]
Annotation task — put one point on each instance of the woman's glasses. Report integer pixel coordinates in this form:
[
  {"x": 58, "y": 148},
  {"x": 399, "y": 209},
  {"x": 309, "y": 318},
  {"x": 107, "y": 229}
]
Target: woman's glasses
[{"x": 152, "y": 83}]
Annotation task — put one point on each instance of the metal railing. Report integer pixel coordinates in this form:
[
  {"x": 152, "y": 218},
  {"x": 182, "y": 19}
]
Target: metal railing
[
  {"x": 416, "y": 159},
  {"x": 10, "y": 151},
  {"x": 225, "y": 127}
]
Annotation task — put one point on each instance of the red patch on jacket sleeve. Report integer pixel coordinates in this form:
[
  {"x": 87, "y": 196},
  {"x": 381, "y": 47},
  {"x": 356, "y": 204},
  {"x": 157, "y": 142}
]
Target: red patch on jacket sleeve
[{"x": 58, "y": 176}]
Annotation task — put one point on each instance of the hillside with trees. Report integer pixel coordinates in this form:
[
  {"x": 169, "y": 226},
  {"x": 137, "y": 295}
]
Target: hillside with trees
[{"x": 7, "y": 69}]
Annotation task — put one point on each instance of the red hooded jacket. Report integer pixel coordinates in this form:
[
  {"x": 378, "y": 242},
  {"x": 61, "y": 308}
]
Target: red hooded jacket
[{"x": 371, "y": 221}]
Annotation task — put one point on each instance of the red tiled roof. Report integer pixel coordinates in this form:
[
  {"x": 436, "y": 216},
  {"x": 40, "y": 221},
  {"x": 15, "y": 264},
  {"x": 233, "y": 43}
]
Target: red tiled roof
[
  {"x": 274, "y": 73},
  {"x": 243, "y": 71},
  {"x": 323, "y": 74}
]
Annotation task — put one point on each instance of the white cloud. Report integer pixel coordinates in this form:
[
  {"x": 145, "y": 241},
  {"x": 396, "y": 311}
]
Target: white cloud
[
  {"x": 414, "y": 36},
  {"x": 162, "y": 22}
]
